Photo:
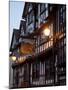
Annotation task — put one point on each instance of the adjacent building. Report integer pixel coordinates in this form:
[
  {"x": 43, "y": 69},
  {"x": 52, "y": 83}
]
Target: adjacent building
[{"x": 13, "y": 51}]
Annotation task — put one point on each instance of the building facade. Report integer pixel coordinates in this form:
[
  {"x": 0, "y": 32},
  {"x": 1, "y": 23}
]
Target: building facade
[
  {"x": 13, "y": 50},
  {"x": 47, "y": 65}
]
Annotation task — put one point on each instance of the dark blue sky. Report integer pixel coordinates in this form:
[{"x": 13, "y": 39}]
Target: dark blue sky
[{"x": 16, "y": 10}]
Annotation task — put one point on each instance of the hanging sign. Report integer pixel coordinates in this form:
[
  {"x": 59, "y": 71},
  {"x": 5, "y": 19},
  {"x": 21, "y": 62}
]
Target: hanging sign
[{"x": 27, "y": 48}]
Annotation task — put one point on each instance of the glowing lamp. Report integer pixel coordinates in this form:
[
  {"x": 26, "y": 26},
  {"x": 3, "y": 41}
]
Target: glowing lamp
[
  {"x": 46, "y": 31},
  {"x": 13, "y": 58}
]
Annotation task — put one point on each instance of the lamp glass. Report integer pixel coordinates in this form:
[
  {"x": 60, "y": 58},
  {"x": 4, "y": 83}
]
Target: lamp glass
[
  {"x": 14, "y": 58},
  {"x": 46, "y": 31}
]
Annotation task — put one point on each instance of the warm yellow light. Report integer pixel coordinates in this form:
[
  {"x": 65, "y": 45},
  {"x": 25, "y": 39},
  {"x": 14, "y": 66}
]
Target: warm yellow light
[
  {"x": 13, "y": 58},
  {"x": 46, "y": 31},
  {"x": 21, "y": 59}
]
